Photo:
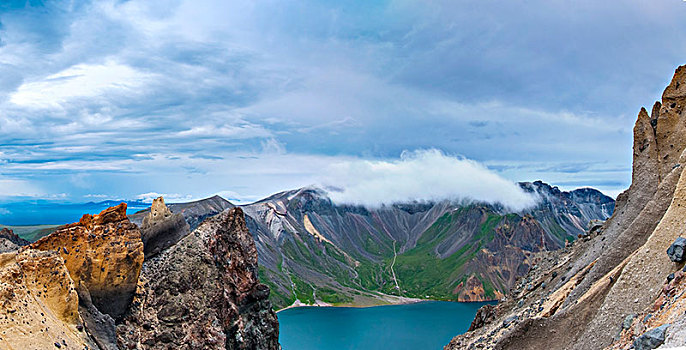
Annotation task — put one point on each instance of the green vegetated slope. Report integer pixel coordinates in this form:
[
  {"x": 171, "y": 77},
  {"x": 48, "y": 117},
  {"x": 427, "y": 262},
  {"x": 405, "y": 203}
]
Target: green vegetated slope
[
  {"x": 446, "y": 251},
  {"x": 422, "y": 272},
  {"x": 441, "y": 263},
  {"x": 425, "y": 271}
]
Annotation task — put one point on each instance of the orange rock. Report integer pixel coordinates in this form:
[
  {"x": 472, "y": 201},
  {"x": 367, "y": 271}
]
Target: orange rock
[
  {"x": 471, "y": 291},
  {"x": 103, "y": 251}
]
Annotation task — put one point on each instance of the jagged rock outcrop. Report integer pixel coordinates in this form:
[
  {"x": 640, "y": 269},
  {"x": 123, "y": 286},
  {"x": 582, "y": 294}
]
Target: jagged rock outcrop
[
  {"x": 620, "y": 271},
  {"x": 203, "y": 293},
  {"x": 484, "y": 315},
  {"x": 9, "y": 241},
  {"x": 194, "y": 212},
  {"x": 39, "y": 303},
  {"x": 161, "y": 228},
  {"x": 105, "y": 253}
]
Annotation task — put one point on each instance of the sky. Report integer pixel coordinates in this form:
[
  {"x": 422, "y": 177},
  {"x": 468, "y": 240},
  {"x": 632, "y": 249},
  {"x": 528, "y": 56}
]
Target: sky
[{"x": 191, "y": 98}]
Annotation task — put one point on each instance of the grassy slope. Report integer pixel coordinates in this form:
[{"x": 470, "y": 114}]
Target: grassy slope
[{"x": 420, "y": 272}]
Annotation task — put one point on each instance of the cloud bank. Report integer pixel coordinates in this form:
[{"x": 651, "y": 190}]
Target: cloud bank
[{"x": 423, "y": 175}]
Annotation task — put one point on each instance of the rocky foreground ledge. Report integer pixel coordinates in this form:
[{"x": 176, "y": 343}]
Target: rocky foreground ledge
[
  {"x": 616, "y": 288},
  {"x": 89, "y": 285}
]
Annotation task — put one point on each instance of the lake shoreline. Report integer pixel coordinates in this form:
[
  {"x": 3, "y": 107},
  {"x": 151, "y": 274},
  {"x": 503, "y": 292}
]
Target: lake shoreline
[{"x": 384, "y": 302}]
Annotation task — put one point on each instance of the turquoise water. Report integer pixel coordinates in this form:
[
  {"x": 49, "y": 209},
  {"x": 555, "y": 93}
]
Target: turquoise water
[{"x": 428, "y": 325}]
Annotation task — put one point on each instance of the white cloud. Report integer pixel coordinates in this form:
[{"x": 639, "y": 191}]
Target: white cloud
[
  {"x": 97, "y": 196},
  {"x": 82, "y": 80},
  {"x": 240, "y": 131},
  {"x": 169, "y": 198},
  {"x": 273, "y": 146},
  {"x": 422, "y": 175}
]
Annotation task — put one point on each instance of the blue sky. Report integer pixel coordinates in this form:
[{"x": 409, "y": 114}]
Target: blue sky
[{"x": 125, "y": 99}]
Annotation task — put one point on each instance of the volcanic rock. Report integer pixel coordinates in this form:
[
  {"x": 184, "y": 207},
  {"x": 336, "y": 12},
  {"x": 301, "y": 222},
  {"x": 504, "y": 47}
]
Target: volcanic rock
[
  {"x": 39, "y": 303},
  {"x": 194, "y": 212},
  {"x": 98, "y": 325},
  {"x": 203, "y": 293},
  {"x": 103, "y": 251},
  {"x": 651, "y": 339},
  {"x": 621, "y": 271},
  {"x": 484, "y": 315},
  {"x": 9, "y": 241},
  {"x": 677, "y": 249},
  {"x": 161, "y": 228}
]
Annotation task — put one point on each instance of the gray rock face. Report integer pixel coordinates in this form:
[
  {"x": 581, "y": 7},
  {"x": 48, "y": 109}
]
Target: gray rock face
[
  {"x": 98, "y": 325},
  {"x": 651, "y": 339},
  {"x": 203, "y": 293},
  {"x": 484, "y": 315},
  {"x": 9, "y": 241},
  {"x": 676, "y": 250},
  {"x": 161, "y": 228},
  {"x": 194, "y": 212}
]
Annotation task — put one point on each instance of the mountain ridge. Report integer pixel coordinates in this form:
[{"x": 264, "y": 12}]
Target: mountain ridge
[{"x": 305, "y": 241}]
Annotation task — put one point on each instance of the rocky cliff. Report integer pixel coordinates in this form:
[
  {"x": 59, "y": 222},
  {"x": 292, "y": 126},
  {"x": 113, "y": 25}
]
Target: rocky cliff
[
  {"x": 194, "y": 212},
  {"x": 9, "y": 241},
  {"x": 203, "y": 293},
  {"x": 88, "y": 286},
  {"x": 161, "y": 228},
  {"x": 584, "y": 296}
]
